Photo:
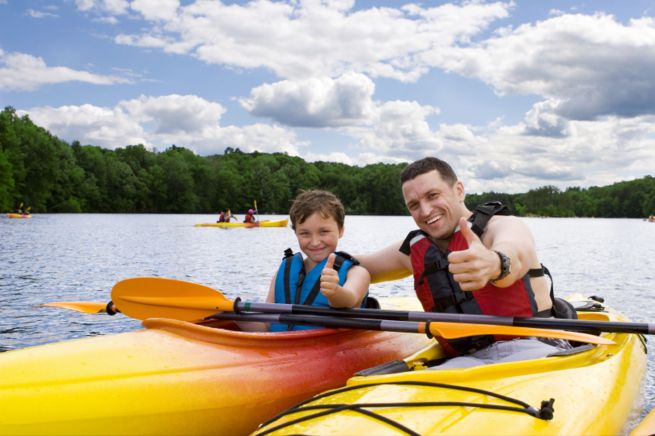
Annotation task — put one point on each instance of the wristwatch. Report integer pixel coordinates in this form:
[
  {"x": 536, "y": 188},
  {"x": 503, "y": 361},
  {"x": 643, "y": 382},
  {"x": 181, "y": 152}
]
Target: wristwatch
[{"x": 505, "y": 266}]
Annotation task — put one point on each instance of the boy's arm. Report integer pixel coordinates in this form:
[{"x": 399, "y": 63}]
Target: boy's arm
[
  {"x": 270, "y": 298},
  {"x": 353, "y": 290}
]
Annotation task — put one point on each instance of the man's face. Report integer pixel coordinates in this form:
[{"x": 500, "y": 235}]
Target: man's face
[{"x": 435, "y": 205}]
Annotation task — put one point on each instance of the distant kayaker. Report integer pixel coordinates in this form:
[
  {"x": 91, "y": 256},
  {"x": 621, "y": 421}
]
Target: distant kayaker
[
  {"x": 250, "y": 216},
  {"x": 225, "y": 217},
  {"x": 480, "y": 262}
]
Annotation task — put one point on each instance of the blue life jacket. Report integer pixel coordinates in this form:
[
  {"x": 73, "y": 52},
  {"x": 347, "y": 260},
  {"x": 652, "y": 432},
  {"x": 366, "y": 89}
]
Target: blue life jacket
[{"x": 293, "y": 285}]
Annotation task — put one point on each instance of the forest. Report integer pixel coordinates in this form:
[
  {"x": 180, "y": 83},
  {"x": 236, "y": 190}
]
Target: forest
[{"x": 40, "y": 171}]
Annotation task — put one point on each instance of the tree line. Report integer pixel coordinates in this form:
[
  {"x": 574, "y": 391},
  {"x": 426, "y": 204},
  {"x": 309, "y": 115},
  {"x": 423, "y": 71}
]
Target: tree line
[{"x": 39, "y": 170}]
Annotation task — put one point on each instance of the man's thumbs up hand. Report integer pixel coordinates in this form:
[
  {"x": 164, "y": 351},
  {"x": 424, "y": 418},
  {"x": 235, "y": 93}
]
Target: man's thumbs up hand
[{"x": 474, "y": 267}]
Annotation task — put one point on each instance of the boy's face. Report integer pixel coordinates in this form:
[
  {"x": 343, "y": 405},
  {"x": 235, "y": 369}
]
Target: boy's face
[{"x": 318, "y": 237}]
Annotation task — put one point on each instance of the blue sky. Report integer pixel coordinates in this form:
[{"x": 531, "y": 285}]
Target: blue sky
[{"x": 515, "y": 95}]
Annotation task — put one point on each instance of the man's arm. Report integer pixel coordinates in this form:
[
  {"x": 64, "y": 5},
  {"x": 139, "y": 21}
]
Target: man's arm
[{"x": 386, "y": 264}]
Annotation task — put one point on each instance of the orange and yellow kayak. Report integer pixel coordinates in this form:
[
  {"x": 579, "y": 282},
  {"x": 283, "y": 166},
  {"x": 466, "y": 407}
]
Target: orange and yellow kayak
[
  {"x": 175, "y": 377},
  {"x": 264, "y": 223},
  {"x": 18, "y": 215}
]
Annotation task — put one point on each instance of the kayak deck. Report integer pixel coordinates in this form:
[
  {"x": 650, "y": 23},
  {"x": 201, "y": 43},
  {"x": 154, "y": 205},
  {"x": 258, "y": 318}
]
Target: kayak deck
[
  {"x": 176, "y": 377},
  {"x": 594, "y": 391}
]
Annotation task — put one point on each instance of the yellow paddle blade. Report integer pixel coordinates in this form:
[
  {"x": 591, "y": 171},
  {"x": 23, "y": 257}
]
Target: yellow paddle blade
[
  {"x": 156, "y": 297},
  {"x": 79, "y": 306},
  {"x": 460, "y": 330}
]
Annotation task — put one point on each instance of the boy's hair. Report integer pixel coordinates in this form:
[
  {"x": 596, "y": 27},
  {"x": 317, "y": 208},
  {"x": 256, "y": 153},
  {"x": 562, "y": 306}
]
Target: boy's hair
[
  {"x": 426, "y": 165},
  {"x": 309, "y": 202}
]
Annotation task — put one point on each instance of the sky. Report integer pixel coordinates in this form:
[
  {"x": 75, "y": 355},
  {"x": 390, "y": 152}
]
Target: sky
[{"x": 515, "y": 95}]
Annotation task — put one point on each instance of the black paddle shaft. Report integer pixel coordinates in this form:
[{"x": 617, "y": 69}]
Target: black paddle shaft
[{"x": 579, "y": 325}]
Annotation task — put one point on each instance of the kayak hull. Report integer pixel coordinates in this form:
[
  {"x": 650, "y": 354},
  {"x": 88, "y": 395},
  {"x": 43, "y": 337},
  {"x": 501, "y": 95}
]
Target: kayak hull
[
  {"x": 18, "y": 215},
  {"x": 265, "y": 223},
  {"x": 594, "y": 392},
  {"x": 175, "y": 377}
]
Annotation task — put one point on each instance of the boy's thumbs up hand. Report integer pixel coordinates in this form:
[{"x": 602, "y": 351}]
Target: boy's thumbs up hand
[
  {"x": 329, "y": 277},
  {"x": 474, "y": 267}
]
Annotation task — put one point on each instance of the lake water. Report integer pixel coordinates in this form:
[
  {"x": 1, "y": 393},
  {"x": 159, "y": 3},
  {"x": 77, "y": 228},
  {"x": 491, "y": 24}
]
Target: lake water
[{"x": 57, "y": 257}]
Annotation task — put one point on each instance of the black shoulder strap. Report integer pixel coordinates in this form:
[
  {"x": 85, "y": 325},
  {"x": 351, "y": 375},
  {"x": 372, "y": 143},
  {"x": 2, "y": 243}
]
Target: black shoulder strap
[
  {"x": 288, "y": 254},
  {"x": 341, "y": 256},
  {"x": 483, "y": 213}
]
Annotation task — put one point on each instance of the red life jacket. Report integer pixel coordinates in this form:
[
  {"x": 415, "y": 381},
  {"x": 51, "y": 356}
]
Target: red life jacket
[{"x": 439, "y": 292}]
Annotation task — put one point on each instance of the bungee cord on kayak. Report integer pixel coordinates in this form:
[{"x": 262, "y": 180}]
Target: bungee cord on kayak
[{"x": 545, "y": 411}]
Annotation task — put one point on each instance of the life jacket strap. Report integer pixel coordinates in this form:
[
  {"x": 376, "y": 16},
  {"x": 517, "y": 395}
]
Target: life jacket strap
[{"x": 483, "y": 214}]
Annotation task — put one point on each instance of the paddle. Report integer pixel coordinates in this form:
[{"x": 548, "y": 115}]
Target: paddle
[
  {"x": 446, "y": 330},
  {"x": 147, "y": 297},
  {"x": 85, "y": 306}
]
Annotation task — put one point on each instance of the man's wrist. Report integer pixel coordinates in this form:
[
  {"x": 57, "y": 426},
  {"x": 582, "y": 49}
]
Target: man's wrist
[{"x": 505, "y": 266}]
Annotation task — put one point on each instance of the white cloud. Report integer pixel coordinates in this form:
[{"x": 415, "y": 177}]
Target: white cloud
[
  {"x": 173, "y": 113},
  {"x": 506, "y": 160},
  {"x": 156, "y": 9},
  {"x": 104, "y": 127},
  {"x": 398, "y": 129},
  {"x": 41, "y": 14},
  {"x": 183, "y": 120},
  {"x": 590, "y": 65},
  {"x": 314, "y": 102},
  {"x": 297, "y": 39},
  {"x": 111, "y": 7},
  {"x": 24, "y": 72}
]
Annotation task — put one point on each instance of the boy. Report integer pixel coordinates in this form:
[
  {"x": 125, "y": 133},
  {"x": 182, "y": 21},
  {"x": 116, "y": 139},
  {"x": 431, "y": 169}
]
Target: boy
[{"x": 323, "y": 277}]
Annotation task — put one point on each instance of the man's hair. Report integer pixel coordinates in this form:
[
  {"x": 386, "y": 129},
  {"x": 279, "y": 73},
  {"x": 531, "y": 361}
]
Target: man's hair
[
  {"x": 426, "y": 165},
  {"x": 309, "y": 202}
]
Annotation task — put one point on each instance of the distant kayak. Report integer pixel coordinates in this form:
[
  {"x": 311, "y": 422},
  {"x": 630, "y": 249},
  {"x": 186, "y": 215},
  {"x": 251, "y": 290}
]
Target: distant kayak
[
  {"x": 265, "y": 223},
  {"x": 18, "y": 215}
]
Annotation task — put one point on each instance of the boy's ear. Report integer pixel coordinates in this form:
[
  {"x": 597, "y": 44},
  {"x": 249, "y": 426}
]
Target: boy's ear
[{"x": 341, "y": 232}]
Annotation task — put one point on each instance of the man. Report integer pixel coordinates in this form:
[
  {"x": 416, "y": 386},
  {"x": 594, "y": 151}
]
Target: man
[{"x": 495, "y": 271}]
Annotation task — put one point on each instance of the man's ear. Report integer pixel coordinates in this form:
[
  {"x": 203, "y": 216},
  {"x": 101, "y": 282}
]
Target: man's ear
[{"x": 459, "y": 190}]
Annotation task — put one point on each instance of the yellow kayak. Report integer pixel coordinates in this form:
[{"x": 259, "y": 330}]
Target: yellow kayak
[
  {"x": 593, "y": 388},
  {"x": 180, "y": 378},
  {"x": 18, "y": 215},
  {"x": 264, "y": 223}
]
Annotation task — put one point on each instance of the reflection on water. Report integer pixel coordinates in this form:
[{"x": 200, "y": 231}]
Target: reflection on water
[{"x": 80, "y": 257}]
